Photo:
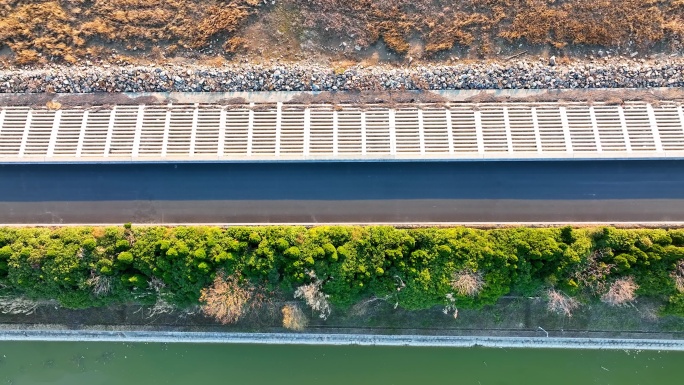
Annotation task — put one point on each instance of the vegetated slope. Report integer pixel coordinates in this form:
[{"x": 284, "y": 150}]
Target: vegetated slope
[
  {"x": 67, "y": 29},
  {"x": 443, "y": 23},
  {"x": 416, "y": 268}
]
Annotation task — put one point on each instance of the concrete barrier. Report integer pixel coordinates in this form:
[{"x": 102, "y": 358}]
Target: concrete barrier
[{"x": 341, "y": 339}]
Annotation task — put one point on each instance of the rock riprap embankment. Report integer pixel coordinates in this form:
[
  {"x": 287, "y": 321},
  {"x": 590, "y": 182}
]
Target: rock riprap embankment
[{"x": 540, "y": 74}]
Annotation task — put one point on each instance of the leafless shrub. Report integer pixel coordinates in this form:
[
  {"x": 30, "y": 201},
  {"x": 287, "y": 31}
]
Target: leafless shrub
[
  {"x": 294, "y": 318},
  {"x": 362, "y": 308},
  {"x": 560, "y": 303},
  {"x": 18, "y": 305},
  {"x": 156, "y": 285},
  {"x": 621, "y": 292},
  {"x": 101, "y": 285},
  {"x": 399, "y": 283},
  {"x": 593, "y": 273},
  {"x": 228, "y": 299},
  {"x": 161, "y": 305},
  {"x": 315, "y": 298},
  {"x": 467, "y": 283},
  {"x": 450, "y": 305},
  {"x": 678, "y": 276}
]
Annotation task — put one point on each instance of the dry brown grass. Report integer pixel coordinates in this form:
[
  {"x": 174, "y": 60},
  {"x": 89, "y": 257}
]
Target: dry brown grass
[
  {"x": 601, "y": 22},
  {"x": 441, "y": 24},
  {"x": 294, "y": 318},
  {"x": 61, "y": 29},
  {"x": 467, "y": 283},
  {"x": 35, "y": 29},
  {"x": 38, "y": 30},
  {"x": 98, "y": 232},
  {"x": 228, "y": 298},
  {"x": 188, "y": 23}
]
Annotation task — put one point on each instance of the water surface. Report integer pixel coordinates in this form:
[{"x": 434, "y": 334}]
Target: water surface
[{"x": 92, "y": 363}]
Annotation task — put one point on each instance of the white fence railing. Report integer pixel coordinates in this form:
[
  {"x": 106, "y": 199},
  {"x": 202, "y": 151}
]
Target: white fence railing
[{"x": 276, "y": 131}]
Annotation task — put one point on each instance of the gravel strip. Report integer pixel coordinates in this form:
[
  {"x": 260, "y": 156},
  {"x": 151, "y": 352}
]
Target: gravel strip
[{"x": 523, "y": 74}]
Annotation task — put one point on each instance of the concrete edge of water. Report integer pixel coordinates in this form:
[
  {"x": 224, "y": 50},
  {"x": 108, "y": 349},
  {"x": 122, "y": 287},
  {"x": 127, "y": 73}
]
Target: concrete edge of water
[
  {"x": 180, "y": 97},
  {"x": 341, "y": 339}
]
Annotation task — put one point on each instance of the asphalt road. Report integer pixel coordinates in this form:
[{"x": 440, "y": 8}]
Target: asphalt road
[{"x": 529, "y": 191}]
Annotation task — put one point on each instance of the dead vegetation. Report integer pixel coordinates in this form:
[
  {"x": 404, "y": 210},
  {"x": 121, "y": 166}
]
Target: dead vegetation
[
  {"x": 314, "y": 297},
  {"x": 66, "y": 29},
  {"x": 593, "y": 273},
  {"x": 467, "y": 283},
  {"x": 441, "y": 24},
  {"x": 678, "y": 276},
  {"x": 294, "y": 318},
  {"x": 621, "y": 292},
  {"x": 560, "y": 303},
  {"x": 19, "y": 305},
  {"x": 594, "y": 22},
  {"x": 161, "y": 305},
  {"x": 229, "y": 298},
  {"x": 37, "y": 30},
  {"x": 101, "y": 285}
]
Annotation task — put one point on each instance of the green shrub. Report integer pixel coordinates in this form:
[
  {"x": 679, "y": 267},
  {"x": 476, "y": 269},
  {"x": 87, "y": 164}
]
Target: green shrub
[
  {"x": 675, "y": 306},
  {"x": 203, "y": 267},
  {"x": 200, "y": 254},
  {"x": 105, "y": 266},
  {"x": 76, "y": 300},
  {"x": 329, "y": 250},
  {"x": 254, "y": 238},
  {"x": 136, "y": 280},
  {"x": 416, "y": 266},
  {"x": 282, "y": 244},
  {"x": 5, "y": 253},
  {"x": 125, "y": 258},
  {"x": 293, "y": 252},
  {"x": 677, "y": 236},
  {"x": 223, "y": 257},
  {"x": 122, "y": 245}
]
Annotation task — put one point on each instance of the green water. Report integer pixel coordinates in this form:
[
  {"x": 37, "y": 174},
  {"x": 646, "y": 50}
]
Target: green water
[{"x": 194, "y": 364}]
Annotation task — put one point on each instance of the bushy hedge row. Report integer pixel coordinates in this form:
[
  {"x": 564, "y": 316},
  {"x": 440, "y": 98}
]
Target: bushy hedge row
[{"x": 354, "y": 262}]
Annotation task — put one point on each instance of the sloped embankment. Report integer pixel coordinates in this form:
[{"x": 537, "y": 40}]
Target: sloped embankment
[{"x": 44, "y": 30}]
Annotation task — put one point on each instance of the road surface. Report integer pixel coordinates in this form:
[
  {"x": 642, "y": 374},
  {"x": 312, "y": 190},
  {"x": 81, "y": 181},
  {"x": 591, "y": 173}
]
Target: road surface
[{"x": 356, "y": 192}]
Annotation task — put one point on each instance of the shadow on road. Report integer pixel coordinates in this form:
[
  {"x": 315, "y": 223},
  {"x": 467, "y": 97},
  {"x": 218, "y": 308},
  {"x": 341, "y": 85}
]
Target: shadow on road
[{"x": 527, "y": 180}]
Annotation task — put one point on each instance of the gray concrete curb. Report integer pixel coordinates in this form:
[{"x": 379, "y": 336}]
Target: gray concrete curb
[{"x": 486, "y": 225}]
